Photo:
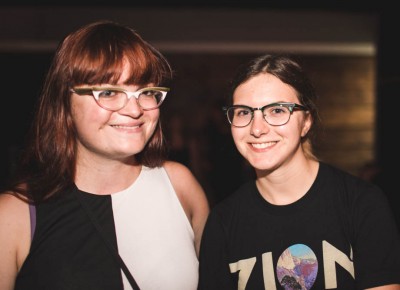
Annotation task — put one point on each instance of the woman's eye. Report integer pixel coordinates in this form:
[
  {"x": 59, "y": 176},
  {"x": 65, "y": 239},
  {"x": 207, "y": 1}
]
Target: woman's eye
[
  {"x": 148, "y": 93},
  {"x": 107, "y": 94},
  {"x": 242, "y": 112},
  {"x": 278, "y": 110}
]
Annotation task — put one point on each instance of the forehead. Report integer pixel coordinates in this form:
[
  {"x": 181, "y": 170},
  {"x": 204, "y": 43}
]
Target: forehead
[{"x": 264, "y": 89}]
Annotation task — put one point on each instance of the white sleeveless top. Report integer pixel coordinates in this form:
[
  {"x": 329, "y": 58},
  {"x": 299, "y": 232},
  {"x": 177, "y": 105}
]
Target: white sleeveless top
[{"x": 155, "y": 238}]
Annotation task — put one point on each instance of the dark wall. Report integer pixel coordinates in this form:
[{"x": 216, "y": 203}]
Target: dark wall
[
  {"x": 21, "y": 79},
  {"x": 388, "y": 102}
]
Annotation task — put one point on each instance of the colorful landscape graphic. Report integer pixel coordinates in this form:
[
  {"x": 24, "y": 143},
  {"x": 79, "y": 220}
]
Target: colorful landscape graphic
[{"x": 297, "y": 268}]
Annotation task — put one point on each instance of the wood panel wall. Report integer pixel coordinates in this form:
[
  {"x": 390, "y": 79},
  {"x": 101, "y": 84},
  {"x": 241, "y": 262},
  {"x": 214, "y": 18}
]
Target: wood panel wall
[{"x": 346, "y": 86}]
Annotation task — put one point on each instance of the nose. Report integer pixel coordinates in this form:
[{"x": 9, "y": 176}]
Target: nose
[
  {"x": 132, "y": 108},
  {"x": 258, "y": 125}
]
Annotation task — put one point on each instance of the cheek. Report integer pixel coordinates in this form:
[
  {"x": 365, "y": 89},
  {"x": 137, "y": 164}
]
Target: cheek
[
  {"x": 292, "y": 131},
  {"x": 152, "y": 116},
  {"x": 88, "y": 116},
  {"x": 84, "y": 107},
  {"x": 151, "y": 128},
  {"x": 238, "y": 135}
]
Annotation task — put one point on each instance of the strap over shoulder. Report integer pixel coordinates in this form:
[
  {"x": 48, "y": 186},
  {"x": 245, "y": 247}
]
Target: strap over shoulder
[{"x": 32, "y": 216}]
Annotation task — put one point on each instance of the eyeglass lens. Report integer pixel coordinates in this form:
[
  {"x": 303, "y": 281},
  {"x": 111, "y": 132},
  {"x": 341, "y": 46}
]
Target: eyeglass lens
[
  {"x": 115, "y": 100},
  {"x": 242, "y": 116}
]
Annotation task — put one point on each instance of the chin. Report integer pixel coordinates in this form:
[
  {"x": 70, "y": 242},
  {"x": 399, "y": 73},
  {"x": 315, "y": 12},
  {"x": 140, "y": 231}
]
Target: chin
[
  {"x": 261, "y": 165},
  {"x": 128, "y": 152}
]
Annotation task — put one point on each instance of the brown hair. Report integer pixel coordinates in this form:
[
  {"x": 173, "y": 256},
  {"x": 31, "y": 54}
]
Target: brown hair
[{"x": 94, "y": 54}]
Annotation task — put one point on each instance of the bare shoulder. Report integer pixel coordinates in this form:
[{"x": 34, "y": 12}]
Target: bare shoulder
[
  {"x": 183, "y": 180},
  {"x": 187, "y": 187},
  {"x": 11, "y": 207},
  {"x": 177, "y": 170},
  {"x": 14, "y": 229},
  {"x": 14, "y": 217}
]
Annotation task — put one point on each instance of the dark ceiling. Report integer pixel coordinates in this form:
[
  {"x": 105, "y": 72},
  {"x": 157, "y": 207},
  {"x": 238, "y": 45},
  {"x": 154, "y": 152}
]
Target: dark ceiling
[{"x": 363, "y": 6}]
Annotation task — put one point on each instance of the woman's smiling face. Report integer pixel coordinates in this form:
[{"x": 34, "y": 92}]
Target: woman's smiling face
[
  {"x": 112, "y": 135},
  {"x": 267, "y": 147}
]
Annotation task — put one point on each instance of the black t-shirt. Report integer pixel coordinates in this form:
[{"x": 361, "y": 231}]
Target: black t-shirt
[{"x": 340, "y": 235}]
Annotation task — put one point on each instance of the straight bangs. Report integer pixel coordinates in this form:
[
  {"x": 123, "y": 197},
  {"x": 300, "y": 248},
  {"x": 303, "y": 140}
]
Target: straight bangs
[
  {"x": 91, "y": 64},
  {"x": 147, "y": 66}
]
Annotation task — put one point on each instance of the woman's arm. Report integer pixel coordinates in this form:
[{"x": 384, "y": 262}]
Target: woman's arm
[
  {"x": 14, "y": 238},
  {"x": 386, "y": 287}
]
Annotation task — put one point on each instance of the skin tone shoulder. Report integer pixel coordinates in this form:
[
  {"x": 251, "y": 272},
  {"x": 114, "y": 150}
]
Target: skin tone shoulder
[{"x": 15, "y": 238}]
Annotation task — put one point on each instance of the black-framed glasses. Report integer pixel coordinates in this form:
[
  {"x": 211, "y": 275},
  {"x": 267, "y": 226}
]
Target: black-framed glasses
[
  {"x": 275, "y": 114},
  {"x": 115, "y": 98}
]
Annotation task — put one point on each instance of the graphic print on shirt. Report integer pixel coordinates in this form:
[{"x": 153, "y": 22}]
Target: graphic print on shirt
[{"x": 297, "y": 267}]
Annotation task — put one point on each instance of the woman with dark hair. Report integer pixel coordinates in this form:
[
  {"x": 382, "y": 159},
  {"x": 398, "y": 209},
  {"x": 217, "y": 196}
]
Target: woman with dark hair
[
  {"x": 94, "y": 193},
  {"x": 301, "y": 224}
]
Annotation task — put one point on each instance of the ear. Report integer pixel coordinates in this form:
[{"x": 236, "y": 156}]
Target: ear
[{"x": 307, "y": 123}]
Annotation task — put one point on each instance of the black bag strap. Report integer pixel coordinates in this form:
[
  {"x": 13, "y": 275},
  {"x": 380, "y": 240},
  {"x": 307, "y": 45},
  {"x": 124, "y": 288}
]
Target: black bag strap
[{"x": 112, "y": 249}]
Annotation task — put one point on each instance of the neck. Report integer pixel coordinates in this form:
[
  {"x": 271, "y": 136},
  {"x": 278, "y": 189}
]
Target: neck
[
  {"x": 287, "y": 185},
  {"x": 105, "y": 176}
]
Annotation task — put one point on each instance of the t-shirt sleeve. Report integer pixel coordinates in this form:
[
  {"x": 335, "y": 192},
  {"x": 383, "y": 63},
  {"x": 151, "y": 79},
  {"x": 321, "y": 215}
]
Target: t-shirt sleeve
[{"x": 376, "y": 240}]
